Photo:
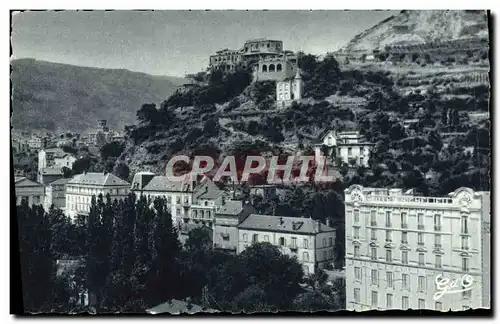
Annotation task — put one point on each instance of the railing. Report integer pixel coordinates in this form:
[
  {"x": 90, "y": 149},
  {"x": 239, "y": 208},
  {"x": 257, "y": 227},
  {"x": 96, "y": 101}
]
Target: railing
[
  {"x": 410, "y": 199},
  {"x": 437, "y": 245},
  {"x": 373, "y": 223}
]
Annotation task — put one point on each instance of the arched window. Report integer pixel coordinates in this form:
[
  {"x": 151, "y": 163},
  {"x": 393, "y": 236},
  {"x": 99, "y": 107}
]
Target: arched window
[
  {"x": 264, "y": 68},
  {"x": 278, "y": 67},
  {"x": 271, "y": 68}
]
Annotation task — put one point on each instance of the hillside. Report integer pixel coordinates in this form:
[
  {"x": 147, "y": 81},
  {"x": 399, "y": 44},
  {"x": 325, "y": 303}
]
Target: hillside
[
  {"x": 59, "y": 97},
  {"x": 421, "y": 26}
]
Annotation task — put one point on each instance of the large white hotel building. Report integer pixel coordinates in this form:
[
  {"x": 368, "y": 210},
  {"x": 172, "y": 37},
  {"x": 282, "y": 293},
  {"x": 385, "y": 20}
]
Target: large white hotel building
[{"x": 398, "y": 243}]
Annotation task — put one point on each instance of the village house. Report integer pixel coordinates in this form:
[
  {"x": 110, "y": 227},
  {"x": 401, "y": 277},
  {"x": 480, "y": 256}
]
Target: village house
[
  {"x": 207, "y": 198},
  {"x": 344, "y": 147},
  {"x": 55, "y": 158},
  {"x": 227, "y": 218},
  {"x": 307, "y": 239},
  {"x": 288, "y": 90},
  {"x": 29, "y": 190},
  {"x": 81, "y": 188},
  {"x": 48, "y": 175}
]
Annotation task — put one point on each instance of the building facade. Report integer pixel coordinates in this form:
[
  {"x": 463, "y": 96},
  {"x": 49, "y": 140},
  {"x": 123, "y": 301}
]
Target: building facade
[
  {"x": 227, "y": 218},
  {"x": 55, "y": 158},
  {"x": 275, "y": 68},
  {"x": 312, "y": 242},
  {"x": 81, "y": 188},
  {"x": 397, "y": 244},
  {"x": 288, "y": 90},
  {"x": 344, "y": 147},
  {"x": 55, "y": 194},
  {"x": 29, "y": 190}
]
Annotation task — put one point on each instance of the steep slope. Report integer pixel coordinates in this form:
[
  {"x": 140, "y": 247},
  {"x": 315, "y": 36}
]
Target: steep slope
[
  {"x": 52, "y": 96},
  {"x": 421, "y": 26}
]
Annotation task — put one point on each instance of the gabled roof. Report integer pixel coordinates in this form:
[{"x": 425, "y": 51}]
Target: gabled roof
[
  {"x": 207, "y": 190},
  {"x": 284, "y": 224},
  {"x": 51, "y": 171},
  {"x": 163, "y": 183},
  {"x": 100, "y": 179},
  {"x": 61, "y": 181},
  {"x": 25, "y": 182},
  {"x": 231, "y": 207}
]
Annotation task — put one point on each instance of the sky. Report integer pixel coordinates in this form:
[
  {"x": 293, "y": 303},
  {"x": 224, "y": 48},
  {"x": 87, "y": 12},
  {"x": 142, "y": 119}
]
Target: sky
[{"x": 175, "y": 42}]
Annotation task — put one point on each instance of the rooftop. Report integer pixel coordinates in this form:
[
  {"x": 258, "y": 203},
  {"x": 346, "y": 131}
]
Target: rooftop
[
  {"x": 207, "y": 190},
  {"x": 284, "y": 224},
  {"x": 99, "y": 179},
  {"x": 231, "y": 207},
  {"x": 61, "y": 181},
  {"x": 51, "y": 171},
  {"x": 162, "y": 183},
  {"x": 25, "y": 182}
]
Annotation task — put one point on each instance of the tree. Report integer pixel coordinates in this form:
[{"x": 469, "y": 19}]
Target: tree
[
  {"x": 113, "y": 149},
  {"x": 198, "y": 239},
  {"x": 148, "y": 114},
  {"x": 122, "y": 171}
]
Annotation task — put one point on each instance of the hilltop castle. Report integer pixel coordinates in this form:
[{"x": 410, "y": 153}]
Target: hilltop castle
[{"x": 269, "y": 62}]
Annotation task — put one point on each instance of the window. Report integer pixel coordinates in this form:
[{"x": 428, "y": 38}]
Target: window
[
  {"x": 282, "y": 241},
  {"x": 373, "y": 218},
  {"x": 388, "y": 222},
  {"x": 356, "y": 216},
  {"x": 324, "y": 255},
  {"x": 466, "y": 294},
  {"x": 294, "y": 242},
  {"x": 374, "y": 277},
  {"x": 255, "y": 238},
  {"x": 420, "y": 219},
  {"x": 437, "y": 222},
  {"x": 388, "y": 255},
  {"x": 266, "y": 238},
  {"x": 437, "y": 240},
  {"x": 306, "y": 244},
  {"x": 244, "y": 238},
  {"x": 405, "y": 278},
  {"x": 271, "y": 68},
  {"x": 388, "y": 236},
  {"x": 439, "y": 262},
  {"x": 404, "y": 237},
  {"x": 404, "y": 257},
  {"x": 420, "y": 238},
  {"x": 404, "y": 220},
  {"x": 438, "y": 306},
  {"x": 389, "y": 301},
  {"x": 374, "y": 299},
  {"x": 356, "y": 233},
  {"x": 357, "y": 273},
  {"x": 324, "y": 242},
  {"x": 356, "y": 295},
  {"x": 465, "y": 225},
  {"x": 278, "y": 67},
  {"x": 389, "y": 278},
  {"x": 465, "y": 264},
  {"x": 421, "y": 259},
  {"x": 178, "y": 200},
  {"x": 305, "y": 256},
  {"x": 422, "y": 283},
  {"x": 264, "y": 68},
  {"x": 349, "y": 151},
  {"x": 465, "y": 242},
  {"x": 356, "y": 251},
  {"x": 405, "y": 302},
  {"x": 330, "y": 241},
  {"x": 421, "y": 304},
  {"x": 373, "y": 235},
  {"x": 374, "y": 253}
]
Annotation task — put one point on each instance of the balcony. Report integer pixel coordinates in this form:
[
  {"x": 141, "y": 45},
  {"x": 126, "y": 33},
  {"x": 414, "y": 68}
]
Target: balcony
[
  {"x": 420, "y": 243},
  {"x": 373, "y": 223},
  {"x": 421, "y": 227},
  {"x": 294, "y": 248},
  {"x": 437, "y": 228},
  {"x": 437, "y": 245},
  {"x": 404, "y": 242}
]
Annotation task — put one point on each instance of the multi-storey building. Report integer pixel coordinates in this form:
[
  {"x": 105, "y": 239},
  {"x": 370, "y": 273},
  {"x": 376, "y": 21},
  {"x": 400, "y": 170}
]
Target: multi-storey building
[
  {"x": 29, "y": 190},
  {"x": 81, "y": 188},
  {"x": 227, "y": 217},
  {"x": 50, "y": 164},
  {"x": 309, "y": 240},
  {"x": 344, "y": 147},
  {"x": 55, "y": 194},
  {"x": 397, "y": 244},
  {"x": 288, "y": 90},
  {"x": 207, "y": 198}
]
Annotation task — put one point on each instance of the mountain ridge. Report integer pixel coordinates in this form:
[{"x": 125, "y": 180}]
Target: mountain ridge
[{"x": 77, "y": 96}]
